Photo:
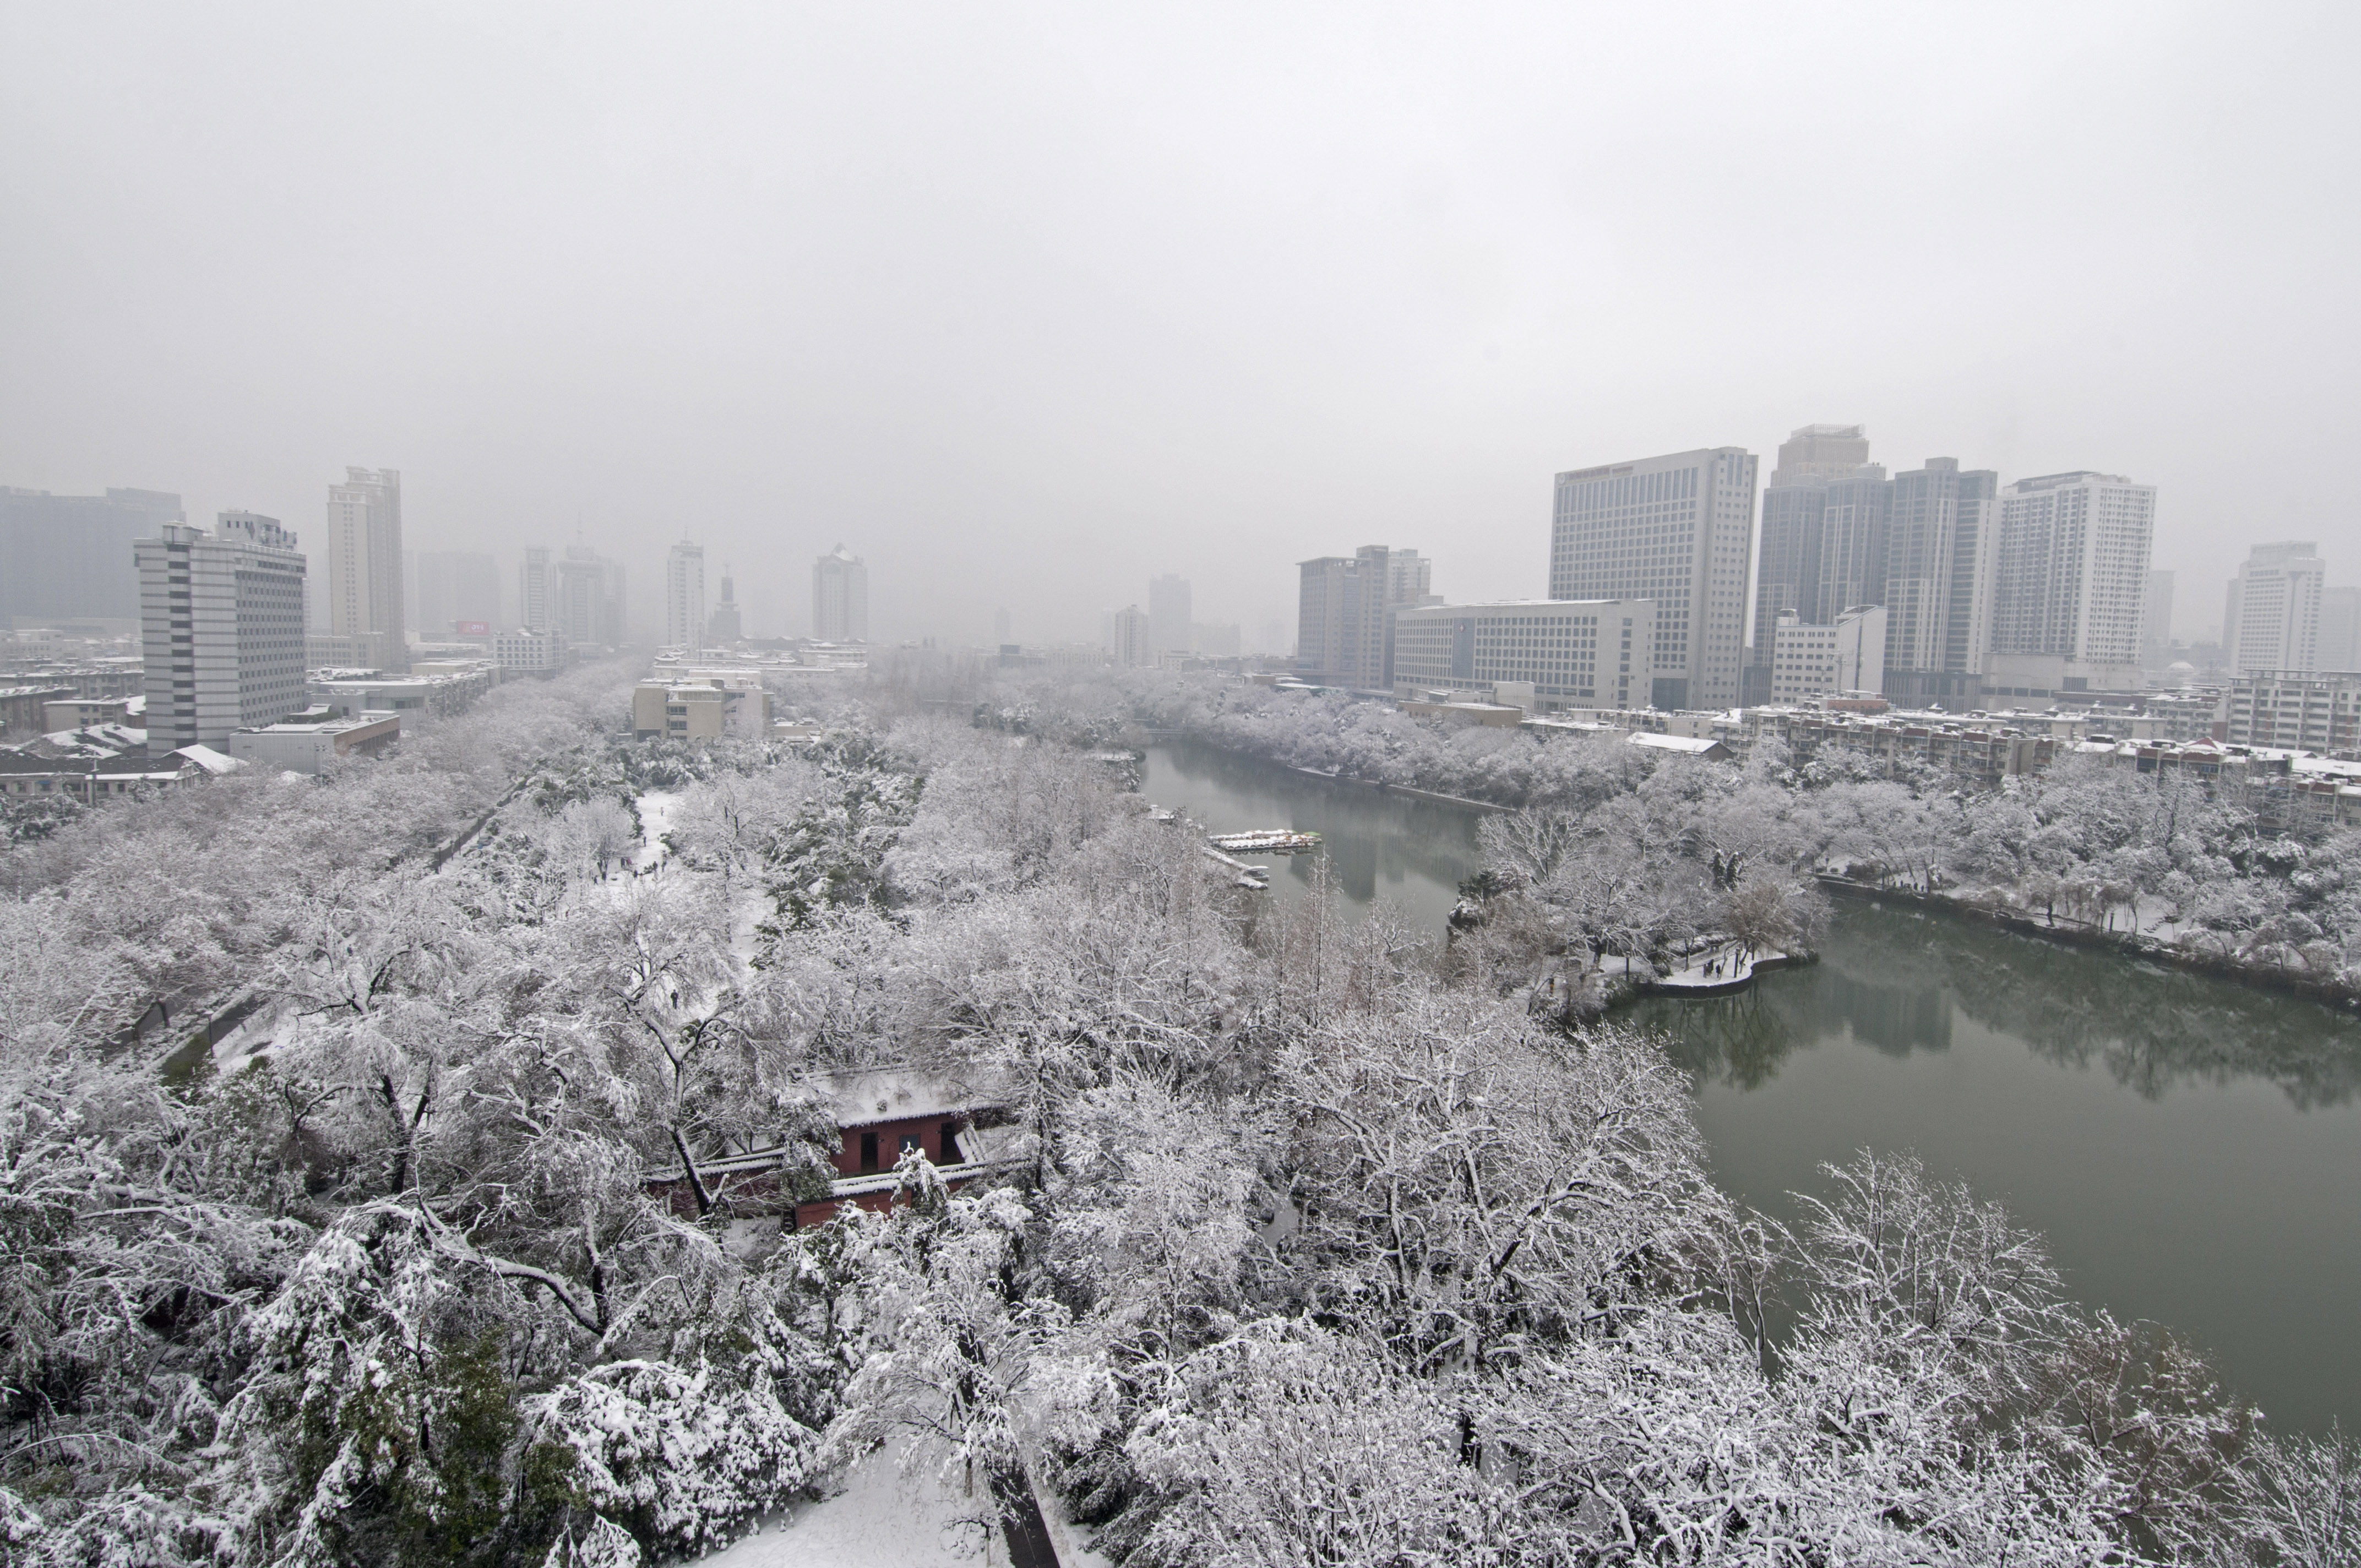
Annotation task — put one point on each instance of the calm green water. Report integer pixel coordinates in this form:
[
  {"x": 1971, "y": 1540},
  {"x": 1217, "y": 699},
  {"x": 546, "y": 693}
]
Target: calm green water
[
  {"x": 2191, "y": 1147},
  {"x": 1413, "y": 853}
]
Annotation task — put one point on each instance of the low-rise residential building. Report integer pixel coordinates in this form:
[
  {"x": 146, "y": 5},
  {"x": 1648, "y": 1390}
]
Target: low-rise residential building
[
  {"x": 1489, "y": 714},
  {"x": 79, "y": 713},
  {"x": 2300, "y": 710},
  {"x": 312, "y": 741},
  {"x": 439, "y": 691},
  {"x": 95, "y": 677},
  {"x": 1570, "y": 652},
  {"x": 28, "y": 708},
  {"x": 1814, "y": 660},
  {"x": 105, "y": 761},
  {"x": 1982, "y": 751},
  {"x": 529, "y": 653},
  {"x": 701, "y": 705}
]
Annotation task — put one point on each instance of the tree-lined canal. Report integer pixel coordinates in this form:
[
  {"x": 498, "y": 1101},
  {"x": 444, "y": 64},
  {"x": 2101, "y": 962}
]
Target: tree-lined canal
[{"x": 2191, "y": 1147}]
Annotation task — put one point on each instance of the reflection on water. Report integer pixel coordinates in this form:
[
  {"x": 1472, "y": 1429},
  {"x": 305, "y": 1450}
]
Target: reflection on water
[
  {"x": 1413, "y": 853},
  {"x": 1893, "y": 979},
  {"x": 2192, "y": 1147}
]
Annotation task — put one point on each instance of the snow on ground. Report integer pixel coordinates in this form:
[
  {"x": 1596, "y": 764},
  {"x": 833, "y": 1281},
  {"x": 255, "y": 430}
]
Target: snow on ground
[
  {"x": 1728, "y": 965},
  {"x": 884, "y": 1520},
  {"x": 657, "y": 807},
  {"x": 881, "y": 1519}
]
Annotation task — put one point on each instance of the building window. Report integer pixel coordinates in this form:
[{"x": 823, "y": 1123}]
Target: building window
[{"x": 869, "y": 1151}]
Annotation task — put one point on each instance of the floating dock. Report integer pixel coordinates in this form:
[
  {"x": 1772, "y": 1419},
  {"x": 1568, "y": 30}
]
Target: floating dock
[{"x": 1265, "y": 842}]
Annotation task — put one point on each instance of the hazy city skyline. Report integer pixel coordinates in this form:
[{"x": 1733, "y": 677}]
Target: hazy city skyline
[{"x": 1029, "y": 307}]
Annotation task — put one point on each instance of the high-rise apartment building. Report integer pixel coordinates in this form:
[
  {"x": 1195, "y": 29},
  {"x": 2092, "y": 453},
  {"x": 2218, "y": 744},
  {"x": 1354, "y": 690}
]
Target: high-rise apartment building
[
  {"x": 452, "y": 588},
  {"x": 365, "y": 565},
  {"x": 685, "y": 596},
  {"x": 2270, "y": 619},
  {"x": 1923, "y": 544},
  {"x": 1169, "y": 613},
  {"x": 1677, "y": 529},
  {"x": 221, "y": 629},
  {"x": 2156, "y": 623},
  {"x": 1942, "y": 558},
  {"x": 1126, "y": 637},
  {"x": 537, "y": 591},
  {"x": 2298, "y": 709},
  {"x": 840, "y": 598},
  {"x": 1573, "y": 653},
  {"x": 67, "y": 558},
  {"x": 724, "y": 629},
  {"x": 2340, "y": 630},
  {"x": 1344, "y": 614},
  {"x": 589, "y": 608},
  {"x": 2072, "y": 577}
]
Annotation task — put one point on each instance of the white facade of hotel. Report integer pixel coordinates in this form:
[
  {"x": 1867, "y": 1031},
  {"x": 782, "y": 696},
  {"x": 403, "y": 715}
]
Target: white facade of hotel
[
  {"x": 1677, "y": 531},
  {"x": 1578, "y": 652},
  {"x": 221, "y": 624}
]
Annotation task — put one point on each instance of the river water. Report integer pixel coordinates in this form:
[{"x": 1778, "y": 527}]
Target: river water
[{"x": 2191, "y": 1147}]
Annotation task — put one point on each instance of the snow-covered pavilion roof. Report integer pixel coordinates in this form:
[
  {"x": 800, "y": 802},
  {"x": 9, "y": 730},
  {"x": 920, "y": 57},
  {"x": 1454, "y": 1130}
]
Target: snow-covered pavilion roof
[{"x": 896, "y": 1093}]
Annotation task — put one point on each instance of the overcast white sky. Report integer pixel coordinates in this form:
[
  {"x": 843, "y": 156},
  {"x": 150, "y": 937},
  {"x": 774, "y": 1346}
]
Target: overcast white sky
[{"x": 1024, "y": 303}]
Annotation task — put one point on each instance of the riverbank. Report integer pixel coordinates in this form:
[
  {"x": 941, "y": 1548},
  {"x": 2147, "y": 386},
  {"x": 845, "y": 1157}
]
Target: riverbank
[
  {"x": 2125, "y": 944},
  {"x": 1381, "y": 786}
]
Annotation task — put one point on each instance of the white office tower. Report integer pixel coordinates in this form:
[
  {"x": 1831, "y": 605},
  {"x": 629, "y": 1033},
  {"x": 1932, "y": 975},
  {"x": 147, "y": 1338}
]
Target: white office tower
[
  {"x": 2071, "y": 586},
  {"x": 1168, "y": 614},
  {"x": 365, "y": 565},
  {"x": 1677, "y": 529},
  {"x": 1125, "y": 634},
  {"x": 221, "y": 620},
  {"x": 2156, "y": 623},
  {"x": 2340, "y": 630},
  {"x": 840, "y": 598},
  {"x": 2271, "y": 620},
  {"x": 1842, "y": 657},
  {"x": 684, "y": 596},
  {"x": 537, "y": 592},
  {"x": 1573, "y": 653},
  {"x": 1344, "y": 614}
]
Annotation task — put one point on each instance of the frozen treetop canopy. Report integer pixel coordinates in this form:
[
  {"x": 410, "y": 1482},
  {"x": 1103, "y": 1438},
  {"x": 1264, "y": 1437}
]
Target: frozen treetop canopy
[{"x": 895, "y": 1093}]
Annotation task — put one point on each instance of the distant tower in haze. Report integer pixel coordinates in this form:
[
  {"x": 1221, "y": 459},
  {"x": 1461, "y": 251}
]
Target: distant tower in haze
[
  {"x": 2340, "y": 630},
  {"x": 1168, "y": 614},
  {"x": 2156, "y": 623},
  {"x": 221, "y": 629},
  {"x": 2271, "y": 620},
  {"x": 724, "y": 631},
  {"x": 536, "y": 591},
  {"x": 1124, "y": 633},
  {"x": 1000, "y": 626},
  {"x": 684, "y": 596},
  {"x": 840, "y": 598},
  {"x": 364, "y": 563}
]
